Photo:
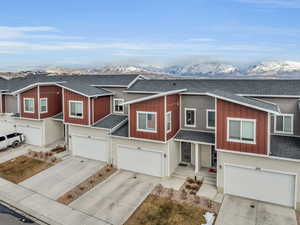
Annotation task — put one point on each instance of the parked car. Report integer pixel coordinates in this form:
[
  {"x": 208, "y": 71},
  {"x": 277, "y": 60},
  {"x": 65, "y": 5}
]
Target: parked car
[{"x": 11, "y": 140}]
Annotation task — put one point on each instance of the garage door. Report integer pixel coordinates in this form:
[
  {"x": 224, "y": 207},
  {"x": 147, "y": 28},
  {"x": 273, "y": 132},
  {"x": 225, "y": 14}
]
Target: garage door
[
  {"x": 33, "y": 135},
  {"x": 140, "y": 160},
  {"x": 6, "y": 126},
  {"x": 90, "y": 147},
  {"x": 263, "y": 185}
]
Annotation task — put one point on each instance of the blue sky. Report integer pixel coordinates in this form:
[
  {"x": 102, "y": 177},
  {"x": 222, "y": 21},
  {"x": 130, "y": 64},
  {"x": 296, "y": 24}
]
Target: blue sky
[{"x": 148, "y": 31}]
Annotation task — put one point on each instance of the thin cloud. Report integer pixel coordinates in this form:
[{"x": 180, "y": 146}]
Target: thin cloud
[
  {"x": 274, "y": 3},
  {"x": 201, "y": 39}
]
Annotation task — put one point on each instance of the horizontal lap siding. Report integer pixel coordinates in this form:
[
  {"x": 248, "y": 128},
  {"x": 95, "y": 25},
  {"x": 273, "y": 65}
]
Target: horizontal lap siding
[
  {"x": 71, "y": 96},
  {"x": 173, "y": 105},
  {"x": 227, "y": 109},
  {"x": 32, "y": 93},
  {"x": 54, "y": 96},
  {"x": 153, "y": 105},
  {"x": 101, "y": 107},
  {"x": 2, "y": 103}
]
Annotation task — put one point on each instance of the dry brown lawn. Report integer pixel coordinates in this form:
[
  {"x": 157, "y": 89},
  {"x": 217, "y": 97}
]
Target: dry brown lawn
[
  {"x": 163, "y": 211},
  {"x": 21, "y": 168}
]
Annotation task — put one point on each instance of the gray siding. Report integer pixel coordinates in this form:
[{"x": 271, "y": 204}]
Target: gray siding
[
  {"x": 288, "y": 106},
  {"x": 201, "y": 104},
  {"x": 119, "y": 93},
  {"x": 11, "y": 105}
]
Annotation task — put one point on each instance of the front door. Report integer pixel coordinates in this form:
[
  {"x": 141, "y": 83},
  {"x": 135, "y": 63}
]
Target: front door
[{"x": 186, "y": 152}]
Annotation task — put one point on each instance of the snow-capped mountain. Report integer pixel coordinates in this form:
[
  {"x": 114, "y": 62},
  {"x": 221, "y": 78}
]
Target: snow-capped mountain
[
  {"x": 274, "y": 68},
  {"x": 203, "y": 68}
]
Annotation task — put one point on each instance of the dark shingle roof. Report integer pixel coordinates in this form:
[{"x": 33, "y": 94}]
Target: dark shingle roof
[
  {"x": 236, "y": 86},
  {"x": 196, "y": 136},
  {"x": 263, "y": 105},
  {"x": 285, "y": 146},
  {"x": 122, "y": 131},
  {"x": 59, "y": 116},
  {"x": 85, "y": 89},
  {"x": 111, "y": 121}
]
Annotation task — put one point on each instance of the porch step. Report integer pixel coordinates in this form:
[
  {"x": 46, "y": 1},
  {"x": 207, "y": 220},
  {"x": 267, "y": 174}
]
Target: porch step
[
  {"x": 184, "y": 176},
  {"x": 210, "y": 180}
]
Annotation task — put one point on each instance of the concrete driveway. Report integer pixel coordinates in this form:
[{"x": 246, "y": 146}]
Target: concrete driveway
[
  {"x": 237, "y": 211},
  {"x": 62, "y": 177},
  {"x": 117, "y": 198}
]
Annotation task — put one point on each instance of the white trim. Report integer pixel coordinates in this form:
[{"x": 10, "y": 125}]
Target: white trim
[
  {"x": 193, "y": 142},
  {"x": 77, "y": 117},
  {"x": 137, "y": 121},
  {"x": 170, "y": 112},
  {"x": 270, "y": 96},
  {"x": 42, "y": 112},
  {"x": 93, "y": 111},
  {"x": 242, "y": 153},
  {"x": 36, "y": 84},
  {"x": 89, "y": 111},
  {"x": 165, "y": 111},
  {"x": 154, "y": 96},
  {"x": 207, "y": 111},
  {"x": 139, "y": 139},
  {"x": 134, "y": 80},
  {"x": 195, "y": 117},
  {"x": 269, "y": 134},
  {"x": 118, "y": 99},
  {"x": 38, "y": 102},
  {"x": 241, "y": 120},
  {"x": 24, "y": 106},
  {"x": 63, "y": 104},
  {"x": 241, "y": 103},
  {"x": 129, "y": 121},
  {"x": 283, "y": 123},
  {"x": 180, "y": 111}
]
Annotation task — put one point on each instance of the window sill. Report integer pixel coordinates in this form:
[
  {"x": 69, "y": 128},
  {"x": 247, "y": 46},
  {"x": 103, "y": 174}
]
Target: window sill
[
  {"x": 242, "y": 142},
  {"x": 148, "y": 131}
]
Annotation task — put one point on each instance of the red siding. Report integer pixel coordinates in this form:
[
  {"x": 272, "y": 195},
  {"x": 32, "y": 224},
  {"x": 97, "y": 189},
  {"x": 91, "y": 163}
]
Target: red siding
[
  {"x": 153, "y": 105},
  {"x": 54, "y": 96},
  {"x": 32, "y": 93},
  {"x": 2, "y": 103},
  {"x": 101, "y": 107},
  {"x": 173, "y": 106},
  {"x": 71, "y": 96},
  {"x": 227, "y": 109}
]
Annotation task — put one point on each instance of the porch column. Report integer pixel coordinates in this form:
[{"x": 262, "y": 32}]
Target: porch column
[{"x": 196, "y": 158}]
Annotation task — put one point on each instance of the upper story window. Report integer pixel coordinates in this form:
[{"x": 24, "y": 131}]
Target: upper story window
[
  {"x": 28, "y": 105},
  {"x": 241, "y": 130},
  {"x": 146, "y": 121},
  {"x": 44, "y": 105},
  {"x": 190, "y": 117},
  {"x": 210, "y": 119},
  {"x": 118, "y": 105},
  {"x": 284, "y": 123},
  {"x": 76, "y": 109},
  {"x": 169, "y": 121}
]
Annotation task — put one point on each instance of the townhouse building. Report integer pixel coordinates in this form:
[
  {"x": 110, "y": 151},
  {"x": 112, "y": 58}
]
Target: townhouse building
[{"x": 245, "y": 131}]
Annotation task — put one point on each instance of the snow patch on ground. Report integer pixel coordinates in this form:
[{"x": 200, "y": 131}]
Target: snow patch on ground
[{"x": 210, "y": 218}]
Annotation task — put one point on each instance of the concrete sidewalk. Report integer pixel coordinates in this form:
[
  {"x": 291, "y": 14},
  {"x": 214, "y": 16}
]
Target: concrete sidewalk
[{"x": 43, "y": 208}]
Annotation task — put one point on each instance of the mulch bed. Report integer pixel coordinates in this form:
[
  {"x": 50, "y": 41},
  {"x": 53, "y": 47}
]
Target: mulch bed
[
  {"x": 48, "y": 156},
  {"x": 157, "y": 210},
  {"x": 58, "y": 149},
  {"x": 86, "y": 185},
  {"x": 21, "y": 168},
  {"x": 191, "y": 186}
]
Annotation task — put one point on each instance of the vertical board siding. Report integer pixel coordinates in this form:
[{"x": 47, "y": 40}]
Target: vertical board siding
[
  {"x": 54, "y": 96},
  {"x": 32, "y": 93},
  {"x": 71, "y": 96},
  {"x": 101, "y": 107},
  {"x": 153, "y": 105},
  {"x": 173, "y": 105},
  {"x": 227, "y": 109}
]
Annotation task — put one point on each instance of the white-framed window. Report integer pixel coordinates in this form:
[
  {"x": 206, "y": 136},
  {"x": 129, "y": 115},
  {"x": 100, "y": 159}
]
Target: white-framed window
[
  {"x": 168, "y": 121},
  {"x": 284, "y": 123},
  {"x": 241, "y": 130},
  {"x": 118, "y": 105},
  {"x": 29, "y": 105},
  {"x": 76, "y": 109},
  {"x": 146, "y": 121},
  {"x": 44, "y": 105},
  {"x": 210, "y": 119},
  {"x": 190, "y": 117}
]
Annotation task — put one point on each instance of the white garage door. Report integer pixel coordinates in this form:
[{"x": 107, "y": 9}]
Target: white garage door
[
  {"x": 90, "y": 147},
  {"x": 33, "y": 135},
  {"x": 6, "y": 126},
  {"x": 140, "y": 160},
  {"x": 263, "y": 185}
]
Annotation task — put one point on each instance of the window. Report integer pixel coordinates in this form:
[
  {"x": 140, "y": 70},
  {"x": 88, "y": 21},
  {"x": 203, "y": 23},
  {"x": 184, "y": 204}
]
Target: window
[
  {"x": 29, "y": 105},
  {"x": 44, "y": 105},
  {"x": 76, "y": 109},
  {"x": 241, "y": 130},
  {"x": 118, "y": 105},
  {"x": 190, "y": 117},
  {"x": 210, "y": 119},
  {"x": 284, "y": 123},
  {"x": 146, "y": 121},
  {"x": 169, "y": 121}
]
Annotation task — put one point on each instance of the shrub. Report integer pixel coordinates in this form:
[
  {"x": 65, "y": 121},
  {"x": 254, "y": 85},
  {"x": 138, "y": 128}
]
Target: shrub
[
  {"x": 183, "y": 194},
  {"x": 81, "y": 188},
  {"x": 100, "y": 175},
  {"x": 108, "y": 169},
  {"x": 91, "y": 181},
  {"x": 195, "y": 186},
  {"x": 190, "y": 180},
  {"x": 69, "y": 196}
]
